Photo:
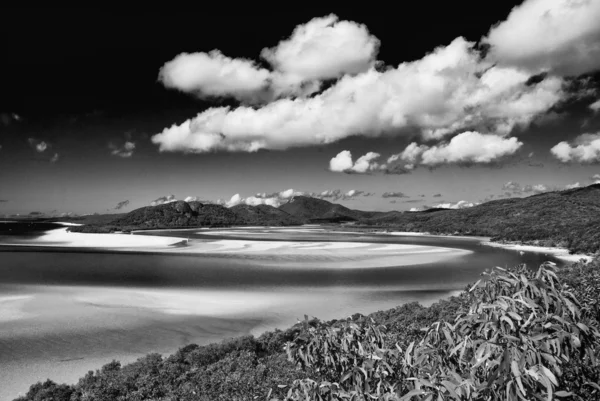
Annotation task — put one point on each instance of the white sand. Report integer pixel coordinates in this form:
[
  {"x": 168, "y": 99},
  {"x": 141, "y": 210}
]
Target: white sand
[
  {"x": 67, "y": 224},
  {"x": 560, "y": 253},
  {"x": 335, "y": 255},
  {"x": 62, "y": 238},
  {"x": 11, "y": 307}
]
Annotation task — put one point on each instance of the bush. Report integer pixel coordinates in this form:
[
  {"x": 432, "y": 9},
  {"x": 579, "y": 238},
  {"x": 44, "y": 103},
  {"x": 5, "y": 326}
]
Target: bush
[{"x": 521, "y": 330}]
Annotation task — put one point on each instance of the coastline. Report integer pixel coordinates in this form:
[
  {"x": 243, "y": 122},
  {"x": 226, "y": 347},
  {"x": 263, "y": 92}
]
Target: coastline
[
  {"x": 295, "y": 254},
  {"x": 559, "y": 253}
]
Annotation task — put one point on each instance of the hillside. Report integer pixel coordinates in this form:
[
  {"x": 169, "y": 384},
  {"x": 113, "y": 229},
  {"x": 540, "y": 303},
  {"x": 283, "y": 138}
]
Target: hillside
[
  {"x": 318, "y": 210},
  {"x": 567, "y": 218},
  {"x": 182, "y": 214},
  {"x": 264, "y": 215}
]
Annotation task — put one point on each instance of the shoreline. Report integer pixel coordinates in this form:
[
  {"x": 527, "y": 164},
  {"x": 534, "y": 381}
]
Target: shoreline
[
  {"x": 296, "y": 254},
  {"x": 557, "y": 252}
]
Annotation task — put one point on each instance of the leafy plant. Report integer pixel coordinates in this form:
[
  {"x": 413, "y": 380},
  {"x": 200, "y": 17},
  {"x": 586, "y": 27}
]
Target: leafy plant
[{"x": 513, "y": 342}]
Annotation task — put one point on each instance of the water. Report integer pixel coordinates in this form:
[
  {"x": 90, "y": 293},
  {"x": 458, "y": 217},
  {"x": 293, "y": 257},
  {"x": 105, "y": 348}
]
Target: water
[{"x": 63, "y": 312}]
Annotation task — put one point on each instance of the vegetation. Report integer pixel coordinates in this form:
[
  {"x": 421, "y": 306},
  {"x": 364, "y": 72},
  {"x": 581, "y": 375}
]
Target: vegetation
[
  {"x": 567, "y": 219},
  {"x": 515, "y": 335},
  {"x": 182, "y": 214}
]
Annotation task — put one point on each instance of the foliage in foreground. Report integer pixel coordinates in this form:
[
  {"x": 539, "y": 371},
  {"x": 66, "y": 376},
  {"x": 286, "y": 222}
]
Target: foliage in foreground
[
  {"x": 518, "y": 334},
  {"x": 521, "y": 331}
]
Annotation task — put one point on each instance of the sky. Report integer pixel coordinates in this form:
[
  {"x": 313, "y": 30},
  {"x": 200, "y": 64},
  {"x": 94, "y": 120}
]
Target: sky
[{"x": 447, "y": 106}]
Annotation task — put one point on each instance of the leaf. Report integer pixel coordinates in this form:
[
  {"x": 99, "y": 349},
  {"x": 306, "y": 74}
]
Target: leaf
[
  {"x": 563, "y": 394},
  {"x": 515, "y": 370},
  {"x": 411, "y": 394},
  {"x": 475, "y": 285}
]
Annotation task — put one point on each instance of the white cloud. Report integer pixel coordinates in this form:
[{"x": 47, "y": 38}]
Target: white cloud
[
  {"x": 584, "y": 149},
  {"x": 122, "y": 151},
  {"x": 560, "y": 36},
  {"x": 274, "y": 199},
  {"x": 448, "y": 90},
  {"x": 38, "y": 145},
  {"x": 41, "y": 147},
  {"x": 595, "y": 107},
  {"x": 214, "y": 74},
  {"x": 573, "y": 186},
  {"x": 342, "y": 163},
  {"x": 458, "y": 205},
  {"x": 448, "y": 205},
  {"x": 163, "y": 199},
  {"x": 54, "y": 158},
  {"x": 513, "y": 187},
  {"x": 536, "y": 189},
  {"x": 324, "y": 48},
  {"x": 467, "y": 147},
  {"x": 595, "y": 178}
]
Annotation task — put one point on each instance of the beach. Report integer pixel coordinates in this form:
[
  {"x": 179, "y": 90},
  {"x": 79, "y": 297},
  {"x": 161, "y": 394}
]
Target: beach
[{"x": 298, "y": 254}]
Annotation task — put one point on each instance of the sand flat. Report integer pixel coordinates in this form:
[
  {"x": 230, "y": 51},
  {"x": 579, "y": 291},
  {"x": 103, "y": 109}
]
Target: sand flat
[{"x": 338, "y": 254}]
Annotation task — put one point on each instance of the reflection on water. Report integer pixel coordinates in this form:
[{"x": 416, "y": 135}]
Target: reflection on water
[{"x": 62, "y": 313}]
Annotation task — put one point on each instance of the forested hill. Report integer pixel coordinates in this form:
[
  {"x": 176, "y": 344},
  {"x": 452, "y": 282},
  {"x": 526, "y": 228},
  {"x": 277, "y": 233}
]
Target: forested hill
[
  {"x": 182, "y": 214},
  {"x": 319, "y": 210},
  {"x": 568, "y": 218}
]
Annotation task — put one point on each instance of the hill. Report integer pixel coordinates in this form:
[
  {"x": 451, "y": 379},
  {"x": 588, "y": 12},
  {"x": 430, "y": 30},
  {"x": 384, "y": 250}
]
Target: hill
[
  {"x": 318, "y": 210},
  {"x": 568, "y": 219},
  {"x": 264, "y": 215},
  {"x": 182, "y": 214}
]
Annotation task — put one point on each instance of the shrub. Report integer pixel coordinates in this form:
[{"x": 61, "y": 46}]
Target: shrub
[{"x": 521, "y": 330}]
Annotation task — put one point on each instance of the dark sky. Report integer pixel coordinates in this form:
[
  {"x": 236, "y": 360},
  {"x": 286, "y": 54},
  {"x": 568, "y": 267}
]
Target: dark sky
[
  {"x": 64, "y": 60},
  {"x": 84, "y": 81}
]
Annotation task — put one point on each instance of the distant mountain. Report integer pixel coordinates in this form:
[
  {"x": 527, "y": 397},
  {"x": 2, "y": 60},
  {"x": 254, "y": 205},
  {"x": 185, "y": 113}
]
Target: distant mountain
[
  {"x": 264, "y": 215},
  {"x": 318, "y": 210},
  {"x": 568, "y": 218},
  {"x": 182, "y": 214}
]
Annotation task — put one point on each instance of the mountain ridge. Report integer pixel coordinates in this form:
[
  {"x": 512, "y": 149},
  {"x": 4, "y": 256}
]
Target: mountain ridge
[{"x": 568, "y": 218}]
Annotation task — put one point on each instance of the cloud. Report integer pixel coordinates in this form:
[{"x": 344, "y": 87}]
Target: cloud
[
  {"x": 572, "y": 186},
  {"x": 3, "y": 200},
  {"x": 214, "y": 74},
  {"x": 467, "y": 147},
  {"x": 558, "y": 36},
  {"x": 595, "y": 178},
  {"x": 7, "y": 119},
  {"x": 449, "y": 90},
  {"x": 38, "y": 145},
  {"x": 536, "y": 189},
  {"x": 584, "y": 149},
  {"x": 276, "y": 199},
  {"x": 54, "y": 158},
  {"x": 330, "y": 194},
  {"x": 513, "y": 187},
  {"x": 342, "y": 163},
  {"x": 458, "y": 205},
  {"x": 121, "y": 205},
  {"x": 163, "y": 199},
  {"x": 323, "y": 48},
  {"x": 393, "y": 195},
  {"x": 595, "y": 107},
  {"x": 437, "y": 195},
  {"x": 126, "y": 150}
]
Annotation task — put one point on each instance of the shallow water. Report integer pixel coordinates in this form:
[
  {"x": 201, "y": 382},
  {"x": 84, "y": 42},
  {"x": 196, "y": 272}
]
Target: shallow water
[{"x": 63, "y": 312}]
